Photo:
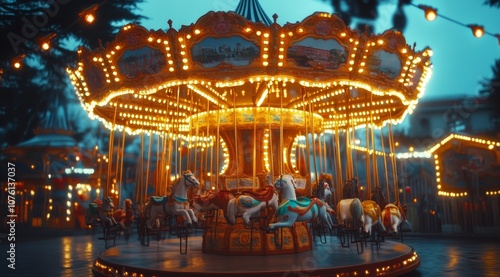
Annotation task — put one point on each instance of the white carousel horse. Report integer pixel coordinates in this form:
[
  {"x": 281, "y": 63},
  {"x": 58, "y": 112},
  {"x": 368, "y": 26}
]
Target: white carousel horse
[
  {"x": 176, "y": 204},
  {"x": 372, "y": 216},
  {"x": 249, "y": 203},
  {"x": 350, "y": 212},
  {"x": 392, "y": 217},
  {"x": 293, "y": 210},
  {"x": 212, "y": 201}
]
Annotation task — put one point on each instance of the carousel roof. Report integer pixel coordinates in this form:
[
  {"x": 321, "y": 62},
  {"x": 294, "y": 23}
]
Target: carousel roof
[
  {"x": 251, "y": 10},
  {"x": 318, "y": 72}
]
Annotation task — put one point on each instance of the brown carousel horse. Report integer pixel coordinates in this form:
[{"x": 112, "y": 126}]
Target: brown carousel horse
[
  {"x": 212, "y": 201},
  {"x": 125, "y": 217},
  {"x": 378, "y": 197},
  {"x": 350, "y": 189},
  {"x": 210, "y": 204}
]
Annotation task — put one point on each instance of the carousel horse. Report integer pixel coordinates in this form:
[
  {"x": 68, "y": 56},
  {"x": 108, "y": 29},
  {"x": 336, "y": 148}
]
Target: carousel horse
[
  {"x": 212, "y": 201},
  {"x": 177, "y": 203},
  {"x": 322, "y": 190},
  {"x": 293, "y": 210},
  {"x": 269, "y": 179},
  {"x": 92, "y": 215},
  {"x": 350, "y": 189},
  {"x": 101, "y": 212},
  {"x": 392, "y": 216},
  {"x": 378, "y": 197},
  {"x": 106, "y": 213},
  {"x": 251, "y": 202},
  {"x": 125, "y": 217},
  {"x": 372, "y": 216},
  {"x": 324, "y": 193},
  {"x": 350, "y": 212}
]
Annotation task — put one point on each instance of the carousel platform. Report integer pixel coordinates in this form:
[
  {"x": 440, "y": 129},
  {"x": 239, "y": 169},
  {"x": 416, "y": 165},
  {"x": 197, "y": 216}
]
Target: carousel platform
[{"x": 164, "y": 258}]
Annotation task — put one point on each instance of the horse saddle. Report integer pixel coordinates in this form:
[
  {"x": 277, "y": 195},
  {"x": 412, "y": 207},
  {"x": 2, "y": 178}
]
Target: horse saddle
[
  {"x": 299, "y": 206},
  {"x": 303, "y": 201},
  {"x": 158, "y": 200},
  {"x": 246, "y": 201},
  {"x": 201, "y": 199},
  {"x": 94, "y": 208},
  {"x": 262, "y": 195}
]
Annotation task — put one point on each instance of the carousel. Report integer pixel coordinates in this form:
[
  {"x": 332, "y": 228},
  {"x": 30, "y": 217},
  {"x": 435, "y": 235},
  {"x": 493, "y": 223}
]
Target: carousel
[{"x": 240, "y": 110}]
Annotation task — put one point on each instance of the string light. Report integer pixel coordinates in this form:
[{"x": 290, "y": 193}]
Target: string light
[
  {"x": 18, "y": 61},
  {"x": 477, "y": 30},
  {"x": 89, "y": 13},
  {"x": 430, "y": 12},
  {"x": 45, "y": 41}
]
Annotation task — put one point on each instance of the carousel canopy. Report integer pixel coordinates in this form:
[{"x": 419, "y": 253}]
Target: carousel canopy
[
  {"x": 225, "y": 70},
  {"x": 251, "y": 10}
]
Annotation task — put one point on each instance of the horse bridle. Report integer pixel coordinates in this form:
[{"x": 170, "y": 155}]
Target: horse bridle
[
  {"x": 187, "y": 176},
  {"x": 293, "y": 182}
]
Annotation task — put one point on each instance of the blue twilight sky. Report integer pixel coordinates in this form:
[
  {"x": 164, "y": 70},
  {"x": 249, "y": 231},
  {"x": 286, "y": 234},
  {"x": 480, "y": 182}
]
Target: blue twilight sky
[{"x": 460, "y": 60}]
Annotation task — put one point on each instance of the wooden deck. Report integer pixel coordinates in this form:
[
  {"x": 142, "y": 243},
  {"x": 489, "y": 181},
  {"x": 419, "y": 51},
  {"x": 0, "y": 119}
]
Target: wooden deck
[{"x": 164, "y": 258}]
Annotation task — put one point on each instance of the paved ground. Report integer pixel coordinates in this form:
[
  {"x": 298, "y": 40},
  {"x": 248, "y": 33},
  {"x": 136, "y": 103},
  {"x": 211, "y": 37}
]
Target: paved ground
[
  {"x": 445, "y": 255},
  {"x": 72, "y": 254}
]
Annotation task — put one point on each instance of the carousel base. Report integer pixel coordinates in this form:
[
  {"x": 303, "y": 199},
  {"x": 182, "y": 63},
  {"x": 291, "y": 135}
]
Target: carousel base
[
  {"x": 224, "y": 239},
  {"x": 163, "y": 258}
]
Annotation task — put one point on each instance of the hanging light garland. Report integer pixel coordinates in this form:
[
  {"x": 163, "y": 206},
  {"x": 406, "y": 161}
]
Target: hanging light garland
[
  {"x": 477, "y": 30},
  {"x": 88, "y": 15}
]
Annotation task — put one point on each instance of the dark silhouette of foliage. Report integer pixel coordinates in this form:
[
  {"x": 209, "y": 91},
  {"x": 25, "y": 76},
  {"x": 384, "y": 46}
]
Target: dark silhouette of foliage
[
  {"x": 491, "y": 90},
  {"x": 493, "y": 3},
  {"x": 491, "y": 87},
  {"x": 27, "y": 92}
]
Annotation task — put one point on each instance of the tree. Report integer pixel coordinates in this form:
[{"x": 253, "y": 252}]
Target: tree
[
  {"x": 24, "y": 25},
  {"x": 492, "y": 3},
  {"x": 368, "y": 10},
  {"x": 491, "y": 87},
  {"x": 491, "y": 90}
]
